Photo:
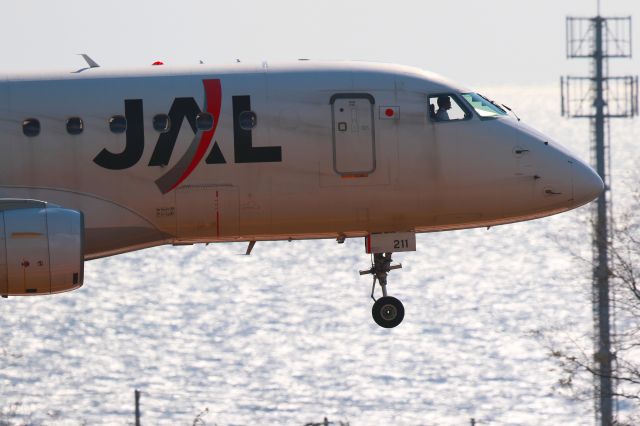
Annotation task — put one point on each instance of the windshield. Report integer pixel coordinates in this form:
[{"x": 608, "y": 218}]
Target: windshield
[{"x": 483, "y": 106}]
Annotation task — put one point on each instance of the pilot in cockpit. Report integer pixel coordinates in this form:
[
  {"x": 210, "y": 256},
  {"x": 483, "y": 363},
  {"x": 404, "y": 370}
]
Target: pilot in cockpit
[{"x": 444, "y": 104}]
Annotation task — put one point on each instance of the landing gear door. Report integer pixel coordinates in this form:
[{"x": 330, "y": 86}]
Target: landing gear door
[
  {"x": 353, "y": 134},
  {"x": 392, "y": 242}
]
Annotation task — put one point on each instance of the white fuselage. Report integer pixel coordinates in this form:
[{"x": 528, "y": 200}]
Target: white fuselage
[{"x": 337, "y": 150}]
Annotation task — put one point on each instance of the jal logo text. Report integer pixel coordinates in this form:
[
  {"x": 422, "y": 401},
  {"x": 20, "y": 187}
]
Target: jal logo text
[{"x": 181, "y": 109}]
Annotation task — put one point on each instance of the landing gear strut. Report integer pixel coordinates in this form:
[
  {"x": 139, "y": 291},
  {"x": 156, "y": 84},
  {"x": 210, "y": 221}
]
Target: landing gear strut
[{"x": 387, "y": 311}]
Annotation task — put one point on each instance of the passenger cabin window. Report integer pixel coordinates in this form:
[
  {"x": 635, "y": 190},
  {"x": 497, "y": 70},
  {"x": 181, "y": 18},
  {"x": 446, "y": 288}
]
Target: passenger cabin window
[
  {"x": 483, "y": 106},
  {"x": 75, "y": 126},
  {"x": 161, "y": 123},
  {"x": 118, "y": 124},
  {"x": 31, "y": 127},
  {"x": 446, "y": 107},
  {"x": 248, "y": 120},
  {"x": 204, "y": 121}
]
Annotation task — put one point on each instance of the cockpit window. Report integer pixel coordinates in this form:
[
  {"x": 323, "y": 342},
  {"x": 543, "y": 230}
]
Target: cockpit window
[
  {"x": 483, "y": 106},
  {"x": 447, "y": 107}
]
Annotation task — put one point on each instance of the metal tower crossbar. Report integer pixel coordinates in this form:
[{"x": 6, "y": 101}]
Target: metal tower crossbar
[
  {"x": 616, "y": 37},
  {"x": 619, "y": 93}
]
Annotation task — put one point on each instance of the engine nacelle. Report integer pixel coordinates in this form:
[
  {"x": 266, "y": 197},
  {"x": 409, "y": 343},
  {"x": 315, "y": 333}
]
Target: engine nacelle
[{"x": 41, "y": 248}]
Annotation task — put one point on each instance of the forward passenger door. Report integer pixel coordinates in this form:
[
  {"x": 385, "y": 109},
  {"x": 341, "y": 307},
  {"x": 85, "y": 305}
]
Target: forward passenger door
[{"x": 353, "y": 134}]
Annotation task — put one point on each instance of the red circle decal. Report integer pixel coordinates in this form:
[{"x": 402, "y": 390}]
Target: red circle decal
[{"x": 389, "y": 112}]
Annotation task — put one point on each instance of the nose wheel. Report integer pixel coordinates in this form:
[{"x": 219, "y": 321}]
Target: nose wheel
[{"x": 387, "y": 311}]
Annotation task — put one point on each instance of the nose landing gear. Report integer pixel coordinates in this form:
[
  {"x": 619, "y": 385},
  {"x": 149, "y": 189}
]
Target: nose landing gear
[{"x": 387, "y": 311}]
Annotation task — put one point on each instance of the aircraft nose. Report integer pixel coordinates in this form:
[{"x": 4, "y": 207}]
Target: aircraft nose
[{"x": 587, "y": 185}]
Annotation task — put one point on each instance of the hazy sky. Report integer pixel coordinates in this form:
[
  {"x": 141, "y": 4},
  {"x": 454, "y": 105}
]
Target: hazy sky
[{"x": 471, "y": 41}]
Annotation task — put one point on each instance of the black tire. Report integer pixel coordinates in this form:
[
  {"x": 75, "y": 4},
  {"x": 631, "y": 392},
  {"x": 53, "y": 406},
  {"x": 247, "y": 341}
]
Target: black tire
[{"x": 387, "y": 312}]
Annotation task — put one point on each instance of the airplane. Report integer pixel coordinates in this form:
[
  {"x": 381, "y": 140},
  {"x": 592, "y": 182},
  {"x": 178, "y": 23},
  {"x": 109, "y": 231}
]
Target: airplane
[{"x": 101, "y": 162}]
